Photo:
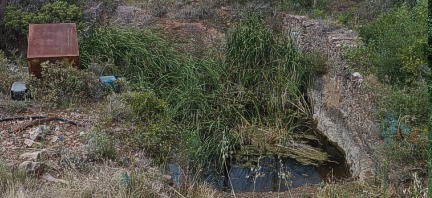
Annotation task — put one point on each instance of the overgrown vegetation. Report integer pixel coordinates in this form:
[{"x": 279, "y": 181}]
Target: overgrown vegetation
[
  {"x": 9, "y": 178},
  {"x": 206, "y": 102},
  {"x": 396, "y": 46},
  {"x": 395, "y": 52},
  {"x": 393, "y": 55},
  {"x": 62, "y": 84},
  {"x": 346, "y": 12},
  {"x": 247, "y": 97},
  {"x": 8, "y": 73},
  {"x": 16, "y": 21}
]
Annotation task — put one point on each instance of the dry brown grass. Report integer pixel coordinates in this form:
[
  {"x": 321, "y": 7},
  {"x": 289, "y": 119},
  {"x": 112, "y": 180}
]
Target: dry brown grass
[{"x": 105, "y": 181}]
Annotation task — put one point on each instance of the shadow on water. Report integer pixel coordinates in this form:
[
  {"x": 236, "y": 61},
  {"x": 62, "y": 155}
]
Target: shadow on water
[
  {"x": 254, "y": 173},
  {"x": 272, "y": 173}
]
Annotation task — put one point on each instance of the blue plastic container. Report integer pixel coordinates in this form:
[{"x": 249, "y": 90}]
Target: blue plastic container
[{"x": 108, "y": 82}]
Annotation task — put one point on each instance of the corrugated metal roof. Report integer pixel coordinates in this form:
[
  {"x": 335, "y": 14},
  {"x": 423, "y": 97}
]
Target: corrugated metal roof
[{"x": 52, "y": 40}]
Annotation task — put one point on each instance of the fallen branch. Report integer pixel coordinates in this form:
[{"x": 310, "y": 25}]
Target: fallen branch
[
  {"x": 22, "y": 118},
  {"x": 45, "y": 120}
]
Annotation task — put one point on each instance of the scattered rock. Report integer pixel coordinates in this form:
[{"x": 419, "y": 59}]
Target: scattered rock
[
  {"x": 54, "y": 139},
  {"x": 34, "y": 156},
  {"x": 28, "y": 142},
  {"x": 94, "y": 13},
  {"x": 167, "y": 177},
  {"x": 34, "y": 168},
  {"x": 39, "y": 132},
  {"x": 61, "y": 138},
  {"x": 50, "y": 178},
  {"x": 125, "y": 15}
]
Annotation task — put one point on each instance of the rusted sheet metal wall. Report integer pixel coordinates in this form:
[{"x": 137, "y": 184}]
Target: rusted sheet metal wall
[{"x": 51, "y": 42}]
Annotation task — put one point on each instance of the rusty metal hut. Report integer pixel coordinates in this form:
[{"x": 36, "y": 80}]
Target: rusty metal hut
[{"x": 51, "y": 42}]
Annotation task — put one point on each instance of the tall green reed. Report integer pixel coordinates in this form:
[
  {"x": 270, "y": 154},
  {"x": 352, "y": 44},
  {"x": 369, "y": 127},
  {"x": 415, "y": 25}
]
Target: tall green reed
[{"x": 257, "y": 83}]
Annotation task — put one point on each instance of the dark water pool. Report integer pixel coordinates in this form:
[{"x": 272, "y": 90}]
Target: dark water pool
[
  {"x": 254, "y": 173},
  {"x": 267, "y": 174},
  {"x": 271, "y": 174}
]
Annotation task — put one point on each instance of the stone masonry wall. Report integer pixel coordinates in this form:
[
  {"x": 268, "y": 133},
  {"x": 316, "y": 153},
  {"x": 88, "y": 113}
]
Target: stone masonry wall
[{"x": 342, "y": 108}]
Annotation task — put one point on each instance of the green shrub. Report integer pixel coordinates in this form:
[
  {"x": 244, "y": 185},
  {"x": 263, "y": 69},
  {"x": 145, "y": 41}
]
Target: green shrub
[
  {"x": 63, "y": 84},
  {"x": 408, "y": 102},
  {"x": 146, "y": 107},
  {"x": 131, "y": 50},
  {"x": 305, "y": 5},
  {"x": 17, "y": 20},
  {"x": 147, "y": 114},
  {"x": 396, "y": 45},
  {"x": 406, "y": 152},
  {"x": 151, "y": 133},
  {"x": 318, "y": 13},
  {"x": 315, "y": 63},
  {"x": 100, "y": 146},
  {"x": 13, "y": 107},
  {"x": 7, "y": 75}
]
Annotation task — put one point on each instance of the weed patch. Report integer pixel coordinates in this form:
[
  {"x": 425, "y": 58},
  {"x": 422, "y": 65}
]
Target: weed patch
[{"x": 62, "y": 84}]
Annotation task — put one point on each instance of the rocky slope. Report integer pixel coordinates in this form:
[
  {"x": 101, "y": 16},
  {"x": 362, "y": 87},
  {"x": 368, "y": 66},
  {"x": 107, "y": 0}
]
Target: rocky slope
[{"x": 341, "y": 105}]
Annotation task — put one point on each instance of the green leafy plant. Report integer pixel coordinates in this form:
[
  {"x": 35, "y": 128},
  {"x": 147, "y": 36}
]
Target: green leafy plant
[
  {"x": 13, "y": 107},
  {"x": 396, "y": 45},
  {"x": 187, "y": 108},
  {"x": 147, "y": 114},
  {"x": 316, "y": 7},
  {"x": 63, "y": 84},
  {"x": 100, "y": 146},
  {"x": 17, "y": 20}
]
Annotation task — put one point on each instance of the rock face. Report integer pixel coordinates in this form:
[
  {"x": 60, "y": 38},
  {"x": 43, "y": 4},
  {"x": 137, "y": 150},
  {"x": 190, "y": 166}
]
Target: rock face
[
  {"x": 34, "y": 168},
  {"x": 342, "y": 108},
  {"x": 34, "y": 156},
  {"x": 126, "y": 15}
]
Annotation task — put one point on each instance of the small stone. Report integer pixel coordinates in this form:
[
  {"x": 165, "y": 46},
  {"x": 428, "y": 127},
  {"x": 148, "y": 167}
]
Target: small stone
[
  {"x": 167, "y": 177},
  {"x": 50, "y": 178},
  {"x": 61, "y": 138},
  {"x": 38, "y": 133},
  {"x": 357, "y": 75},
  {"x": 28, "y": 142},
  {"x": 35, "y": 156},
  {"x": 82, "y": 133},
  {"x": 54, "y": 139}
]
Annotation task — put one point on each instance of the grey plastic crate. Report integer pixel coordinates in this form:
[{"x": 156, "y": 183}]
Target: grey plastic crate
[{"x": 19, "y": 91}]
